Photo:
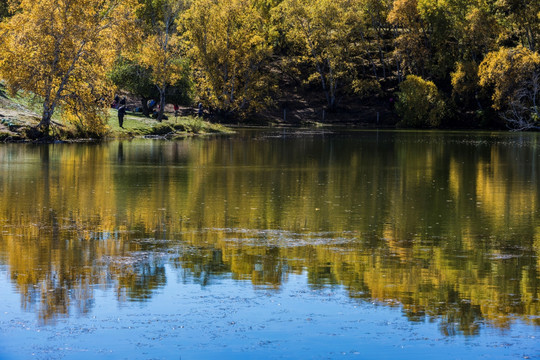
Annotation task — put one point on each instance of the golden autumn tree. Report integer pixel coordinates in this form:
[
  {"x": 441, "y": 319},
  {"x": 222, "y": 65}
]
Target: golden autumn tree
[
  {"x": 513, "y": 77},
  {"x": 328, "y": 35},
  {"x": 229, "y": 51},
  {"x": 60, "y": 51},
  {"x": 521, "y": 20},
  {"x": 411, "y": 50},
  {"x": 161, "y": 50},
  {"x": 419, "y": 103},
  {"x": 479, "y": 31}
]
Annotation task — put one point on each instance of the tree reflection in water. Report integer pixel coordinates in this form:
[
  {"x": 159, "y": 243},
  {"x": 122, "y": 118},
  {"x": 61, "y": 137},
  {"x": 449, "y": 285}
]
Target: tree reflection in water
[{"x": 440, "y": 224}]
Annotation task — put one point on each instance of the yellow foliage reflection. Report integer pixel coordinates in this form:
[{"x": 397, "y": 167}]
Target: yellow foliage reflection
[{"x": 442, "y": 226}]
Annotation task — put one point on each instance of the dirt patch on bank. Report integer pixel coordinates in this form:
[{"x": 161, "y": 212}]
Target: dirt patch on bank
[{"x": 15, "y": 119}]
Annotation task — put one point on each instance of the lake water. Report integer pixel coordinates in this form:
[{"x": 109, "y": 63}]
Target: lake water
[{"x": 272, "y": 244}]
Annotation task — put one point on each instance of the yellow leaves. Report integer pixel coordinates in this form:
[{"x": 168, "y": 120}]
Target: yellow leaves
[
  {"x": 155, "y": 55},
  {"x": 228, "y": 49},
  {"x": 365, "y": 88},
  {"x": 404, "y": 13},
  {"x": 161, "y": 49},
  {"x": 506, "y": 70},
  {"x": 327, "y": 33},
  {"x": 60, "y": 50},
  {"x": 465, "y": 79},
  {"x": 513, "y": 77},
  {"x": 320, "y": 20},
  {"x": 419, "y": 104}
]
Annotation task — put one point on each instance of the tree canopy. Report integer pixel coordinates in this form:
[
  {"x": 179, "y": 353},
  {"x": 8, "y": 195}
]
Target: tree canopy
[
  {"x": 60, "y": 51},
  {"x": 229, "y": 47},
  {"x": 244, "y": 56}
]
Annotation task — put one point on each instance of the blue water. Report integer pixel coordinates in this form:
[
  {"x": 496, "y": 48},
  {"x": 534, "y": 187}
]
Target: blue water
[{"x": 233, "y": 320}]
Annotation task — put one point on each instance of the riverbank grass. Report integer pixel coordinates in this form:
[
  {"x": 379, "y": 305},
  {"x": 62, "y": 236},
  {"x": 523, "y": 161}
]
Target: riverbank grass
[
  {"x": 136, "y": 124},
  {"x": 19, "y": 115}
]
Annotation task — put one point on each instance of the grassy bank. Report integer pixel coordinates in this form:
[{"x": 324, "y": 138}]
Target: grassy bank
[
  {"x": 137, "y": 125},
  {"x": 19, "y": 116}
]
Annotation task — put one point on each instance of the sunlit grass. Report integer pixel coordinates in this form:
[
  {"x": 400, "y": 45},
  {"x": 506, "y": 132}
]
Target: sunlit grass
[
  {"x": 136, "y": 124},
  {"x": 23, "y": 111}
]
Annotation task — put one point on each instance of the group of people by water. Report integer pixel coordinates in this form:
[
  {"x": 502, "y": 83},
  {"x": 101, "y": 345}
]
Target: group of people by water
[{"x": 120, "y": 105}]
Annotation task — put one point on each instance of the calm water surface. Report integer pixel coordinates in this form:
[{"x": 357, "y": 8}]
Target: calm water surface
[{"x": 272, "y": 244}]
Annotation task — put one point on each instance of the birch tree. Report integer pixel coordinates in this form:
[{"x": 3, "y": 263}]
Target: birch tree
[
  {"x": 161, "y": 48},
  {"x": 229, "y": 51},
  {"x": 328, "y": 35},
  {"x": 512, "y": 75},
  {"x": 60, "y": 51}
]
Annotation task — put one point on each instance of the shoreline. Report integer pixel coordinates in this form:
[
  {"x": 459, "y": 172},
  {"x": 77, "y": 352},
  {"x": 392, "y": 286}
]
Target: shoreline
[{"x": 18, "y": 121}]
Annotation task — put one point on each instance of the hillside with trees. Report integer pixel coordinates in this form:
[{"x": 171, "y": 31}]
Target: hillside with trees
[{"x": 417, "y": 63}]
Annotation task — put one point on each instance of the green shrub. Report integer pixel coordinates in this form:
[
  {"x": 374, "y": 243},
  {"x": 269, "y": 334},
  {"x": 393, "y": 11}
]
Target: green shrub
[
  {"x": 419, "y": 103},
  {"x": 161, "y": 129},
  {"x": 180, "y": 127},
  {"x": 196, "y": 125}
]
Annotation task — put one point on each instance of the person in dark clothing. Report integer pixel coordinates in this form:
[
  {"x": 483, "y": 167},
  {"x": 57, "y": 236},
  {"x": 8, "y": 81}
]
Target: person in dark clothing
[
  {"x": 200, "y": 110},
  {"x": 121, "y": 114}
]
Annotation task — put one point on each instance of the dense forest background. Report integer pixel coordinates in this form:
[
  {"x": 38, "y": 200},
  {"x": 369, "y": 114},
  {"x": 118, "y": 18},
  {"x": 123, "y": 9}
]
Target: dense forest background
[{"x": 434, "y": 63}]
